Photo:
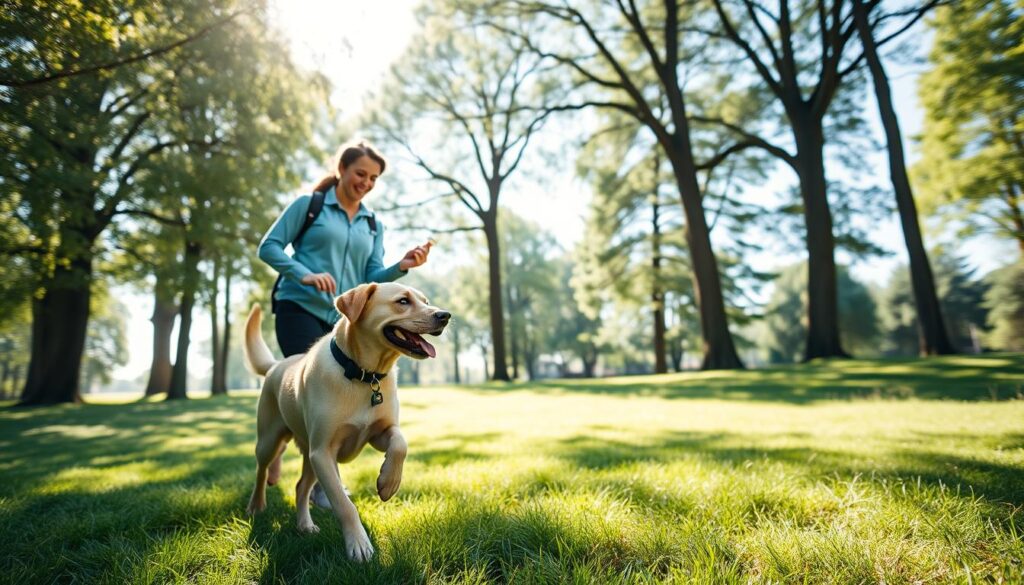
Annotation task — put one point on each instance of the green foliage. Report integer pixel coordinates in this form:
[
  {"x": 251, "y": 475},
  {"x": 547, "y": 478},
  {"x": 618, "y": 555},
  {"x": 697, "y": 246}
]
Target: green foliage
[
  {"x": 783, "y": 332},
  {"x": 1005, "y": 303},
  {"x": 201, "y": 138},
  {"x": 972, "y": 147},
  {"x": 106, "y": 342},
  {"x": 534, "y": 289},
  {"x": 15, "y": 345},
  {"x": 960, "y": 293},
  {"x": 818, "y": 473}
]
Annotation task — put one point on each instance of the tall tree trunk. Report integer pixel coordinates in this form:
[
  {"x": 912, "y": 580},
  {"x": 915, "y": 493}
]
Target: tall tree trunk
[
  {"x": 483, "y": 354},
  {"x": 218, "y": 382},
  {"x": 719, "y": 350},
  {"x": 179, "y": 374},
  {"x": 530, "y": 362},
  {"x": 932, "y": 335},
  {"x": 455, "y": 353},
  {"x": 588, "y": 366},
  {"x": 497, "y": 313},
  {"x": 822, "y": 294},
  {"x": 164, "y": 313},
  {"x": 657, "y": 295},
  {"x": 226, "y": 341},
  {"x": 513, "y": 330},
  {"x": 59, "y": 321}
]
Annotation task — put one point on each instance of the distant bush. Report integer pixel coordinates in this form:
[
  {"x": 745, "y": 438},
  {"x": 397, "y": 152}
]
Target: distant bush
[{"x": 1005, "y": 302}]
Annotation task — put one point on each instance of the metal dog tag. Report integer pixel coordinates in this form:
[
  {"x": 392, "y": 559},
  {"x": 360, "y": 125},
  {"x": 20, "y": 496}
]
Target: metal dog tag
[{"x": 375, "y": 398}]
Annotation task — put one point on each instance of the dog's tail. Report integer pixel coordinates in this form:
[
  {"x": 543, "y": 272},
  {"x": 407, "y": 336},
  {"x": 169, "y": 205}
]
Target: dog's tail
[{"x": 257, "y": 354}]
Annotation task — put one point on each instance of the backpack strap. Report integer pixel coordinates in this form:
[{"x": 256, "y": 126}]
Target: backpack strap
[
  {"x": 316, "y": 204},
  {"x": 372, "y": 220}
]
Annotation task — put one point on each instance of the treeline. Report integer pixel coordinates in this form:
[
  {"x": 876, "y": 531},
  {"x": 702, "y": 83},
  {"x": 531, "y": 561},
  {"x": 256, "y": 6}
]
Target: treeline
[
  {"x": 149, "y": 146},
  {"x": 143, "y": 144},
  {"x": 679, "y": 115}
]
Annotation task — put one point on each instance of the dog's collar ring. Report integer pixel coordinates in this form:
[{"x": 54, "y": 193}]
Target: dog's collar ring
[{"x": 376, "y": 397}]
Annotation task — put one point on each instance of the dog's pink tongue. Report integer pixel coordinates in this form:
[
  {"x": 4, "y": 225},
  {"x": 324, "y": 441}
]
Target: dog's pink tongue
[{"x": 424, "y": 345}]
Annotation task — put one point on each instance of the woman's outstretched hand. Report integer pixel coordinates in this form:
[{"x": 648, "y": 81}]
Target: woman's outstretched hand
[
  {"x": 322, "y": 281},
  {"x": 415, "y": 257}
]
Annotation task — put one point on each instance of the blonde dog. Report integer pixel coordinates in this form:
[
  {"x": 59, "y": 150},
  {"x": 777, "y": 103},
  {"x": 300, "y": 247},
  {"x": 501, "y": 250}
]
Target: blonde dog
[{"x": 338, "y": 397}]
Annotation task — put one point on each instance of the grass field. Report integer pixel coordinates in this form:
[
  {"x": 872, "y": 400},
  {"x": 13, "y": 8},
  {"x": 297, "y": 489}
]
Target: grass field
[{"x": 845, "y": 472}]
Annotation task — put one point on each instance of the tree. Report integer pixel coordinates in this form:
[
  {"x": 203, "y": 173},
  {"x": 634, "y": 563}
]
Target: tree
[
  {"x": 784, "y": 325},
  {"x": 83, "y": 145},
  {"x": 532, "y": 284},
  {"x": 972, "y": 145},
  {"x": 634, "y": 234},
  {"x": 1005, "y": 303},
  {"x": 15, "y": 342},
  {"x": 147, "y": 261},
  {"x": 798, "y": 53},
  {"x": 73, "y": 148},
  {"x": 106, "y": 346},
  {"x": 960, "y": 292},
  {"x": 34, "y": 75},
  {"x": 638, "y": 59},
  {"x": 933, "y": 338},
  {"x": 469, "y": 91},
  {"x": 471, "y": 310}
]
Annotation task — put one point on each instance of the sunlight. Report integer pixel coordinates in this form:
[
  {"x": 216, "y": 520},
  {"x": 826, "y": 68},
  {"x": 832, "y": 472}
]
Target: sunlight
[{"x": 353, "y": 44}]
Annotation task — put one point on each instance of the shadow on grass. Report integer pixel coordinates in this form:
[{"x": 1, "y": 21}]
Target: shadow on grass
[
  {"x": 169, "y": 472},
  {"x": 911, "y": 461},
  {"x": 973, "y": 378},
  {"x": 100, "y": 493},
  {"x": 38, "y": 442}
]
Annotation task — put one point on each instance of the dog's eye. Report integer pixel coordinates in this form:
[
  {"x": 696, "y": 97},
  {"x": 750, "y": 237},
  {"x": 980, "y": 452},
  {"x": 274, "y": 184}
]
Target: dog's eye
[{"x": 403, "y": 301}]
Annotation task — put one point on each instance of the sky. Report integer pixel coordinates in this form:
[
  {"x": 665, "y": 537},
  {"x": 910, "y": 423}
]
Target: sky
[{"x": 354, "y": 43}]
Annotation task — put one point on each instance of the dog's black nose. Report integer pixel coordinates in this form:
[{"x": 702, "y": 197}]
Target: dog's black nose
[{"x": 442, "y": 316}]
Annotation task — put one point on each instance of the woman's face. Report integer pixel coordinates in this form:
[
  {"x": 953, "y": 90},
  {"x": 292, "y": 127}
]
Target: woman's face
[{"x": 358, "y": 178}]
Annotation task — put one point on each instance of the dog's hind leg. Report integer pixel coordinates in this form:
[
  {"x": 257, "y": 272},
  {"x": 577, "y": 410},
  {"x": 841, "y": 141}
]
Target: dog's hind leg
[
  {"x": 268, "y": 448},
  {"x": 274, "y": 472},
  {"x": 302, "y": 489}
]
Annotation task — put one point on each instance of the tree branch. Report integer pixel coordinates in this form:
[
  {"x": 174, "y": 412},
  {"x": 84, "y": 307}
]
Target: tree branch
[
  {"x": 733, "y": 35},
  {"x": 752, "y": 138},
  {"x": 124, "y": 61}
]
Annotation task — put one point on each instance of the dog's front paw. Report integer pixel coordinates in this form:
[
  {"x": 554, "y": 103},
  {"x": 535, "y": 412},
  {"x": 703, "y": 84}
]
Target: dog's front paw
[
  {"x": 389, "y": 480},
  {"x": 256, "y": 505},
  {"x": 307, "y": 527},
  {"x": 357, "y": 545}
]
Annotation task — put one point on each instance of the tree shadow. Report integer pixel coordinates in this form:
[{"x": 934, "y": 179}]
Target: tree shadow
[
  {"x": 910, "y": 461},
  {"x": 969, "y": 378}
]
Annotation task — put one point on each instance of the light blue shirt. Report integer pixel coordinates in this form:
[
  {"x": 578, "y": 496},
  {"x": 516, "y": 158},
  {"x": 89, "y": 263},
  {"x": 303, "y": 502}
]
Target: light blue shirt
[{"x": 347, "y": 250}]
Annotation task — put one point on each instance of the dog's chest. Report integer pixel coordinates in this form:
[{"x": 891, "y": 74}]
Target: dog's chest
[{"x": 357, "y": 431}]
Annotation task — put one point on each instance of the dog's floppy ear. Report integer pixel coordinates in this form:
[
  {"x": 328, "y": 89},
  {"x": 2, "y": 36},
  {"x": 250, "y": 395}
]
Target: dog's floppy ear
[{"x": 353, "y": 301}]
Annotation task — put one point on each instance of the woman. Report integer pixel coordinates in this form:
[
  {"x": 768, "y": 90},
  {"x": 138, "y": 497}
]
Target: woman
[{"x": 343, "y": 248}]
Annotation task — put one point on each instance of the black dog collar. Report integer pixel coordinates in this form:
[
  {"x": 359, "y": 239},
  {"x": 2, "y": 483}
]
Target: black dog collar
[{"x": 358, "y": 374}]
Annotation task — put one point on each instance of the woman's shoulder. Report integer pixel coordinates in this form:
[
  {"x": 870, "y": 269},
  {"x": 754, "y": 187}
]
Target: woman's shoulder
[{"x": 301, "y": 201}]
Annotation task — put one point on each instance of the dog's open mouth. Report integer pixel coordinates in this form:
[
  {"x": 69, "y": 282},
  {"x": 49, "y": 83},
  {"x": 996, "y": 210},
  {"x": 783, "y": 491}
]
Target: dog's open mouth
[{"x": 409, "y": 341}]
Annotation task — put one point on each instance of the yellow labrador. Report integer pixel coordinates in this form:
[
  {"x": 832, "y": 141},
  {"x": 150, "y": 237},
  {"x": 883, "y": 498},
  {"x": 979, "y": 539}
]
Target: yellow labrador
[{"x": 338, "y": 397}]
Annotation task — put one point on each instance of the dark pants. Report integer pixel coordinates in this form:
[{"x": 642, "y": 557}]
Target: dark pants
[{"x": 296, "y": 328}]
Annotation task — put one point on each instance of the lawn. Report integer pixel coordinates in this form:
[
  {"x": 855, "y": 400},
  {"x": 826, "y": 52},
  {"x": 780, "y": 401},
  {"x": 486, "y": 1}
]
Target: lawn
[{"x": 847, "y": 472}]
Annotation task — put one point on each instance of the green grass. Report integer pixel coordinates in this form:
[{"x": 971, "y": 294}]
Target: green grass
[{"x": 844, "y": 472}]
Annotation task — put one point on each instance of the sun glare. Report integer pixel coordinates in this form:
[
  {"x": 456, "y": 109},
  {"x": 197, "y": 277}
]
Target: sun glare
[{"x": 352, "y": 43}]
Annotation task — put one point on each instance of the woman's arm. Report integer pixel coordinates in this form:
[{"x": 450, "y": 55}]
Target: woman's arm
[
  {"x": 280, "y": 234},
  {"x": 375, "y": 269}
]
